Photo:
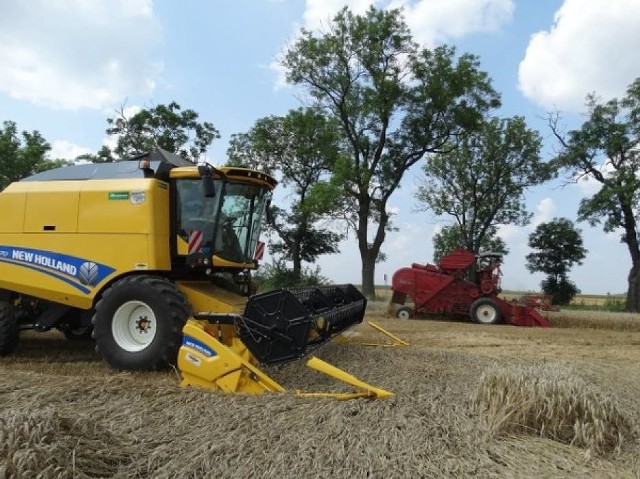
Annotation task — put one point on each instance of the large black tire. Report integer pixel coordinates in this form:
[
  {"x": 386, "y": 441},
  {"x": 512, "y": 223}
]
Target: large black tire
[
  {"x": 485, "y": 311},
  {"x": 9, "y": 329},
  {"x": 138, "y": 323}
]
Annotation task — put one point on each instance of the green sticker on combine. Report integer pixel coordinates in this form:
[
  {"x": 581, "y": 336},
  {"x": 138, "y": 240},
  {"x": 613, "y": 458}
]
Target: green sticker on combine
[{"x": 118, "y": 195}]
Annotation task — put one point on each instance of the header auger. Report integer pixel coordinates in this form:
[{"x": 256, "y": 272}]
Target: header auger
[
  {"x": 463, "y": 283},
  {"x": 152, "y": 257}
]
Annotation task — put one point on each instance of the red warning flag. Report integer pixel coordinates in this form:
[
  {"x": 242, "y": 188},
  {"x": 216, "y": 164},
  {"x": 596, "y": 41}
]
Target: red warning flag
[
  {"x": 259, "y": 251},
  {"x": 195, "y": 242}
]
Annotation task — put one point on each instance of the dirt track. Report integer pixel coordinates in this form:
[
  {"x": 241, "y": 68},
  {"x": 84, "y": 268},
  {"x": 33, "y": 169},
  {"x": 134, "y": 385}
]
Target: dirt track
[{"x": 64, "y": 414}]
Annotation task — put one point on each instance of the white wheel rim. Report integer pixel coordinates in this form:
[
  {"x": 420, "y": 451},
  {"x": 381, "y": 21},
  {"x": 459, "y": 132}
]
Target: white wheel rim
[
  {"x": 486, "y": 313},
  {"x": 404, "y": 314},
  {"x": 133, "y": 326}
]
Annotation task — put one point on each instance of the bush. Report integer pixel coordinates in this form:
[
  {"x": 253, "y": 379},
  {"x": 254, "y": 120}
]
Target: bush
[
  {"x": 561, "y": 290},
  {"x": 613, "y": 303},
  {"x": 277, "y": 275}
]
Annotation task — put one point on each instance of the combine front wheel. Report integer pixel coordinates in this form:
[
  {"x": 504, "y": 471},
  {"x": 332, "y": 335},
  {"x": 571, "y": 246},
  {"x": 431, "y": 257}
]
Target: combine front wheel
[
  {"x": 485, "y": 311},
  {"x": 138, "y": 323}
]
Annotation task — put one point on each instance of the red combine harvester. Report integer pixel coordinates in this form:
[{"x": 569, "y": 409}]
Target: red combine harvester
[{"x": 450, "y": 288}]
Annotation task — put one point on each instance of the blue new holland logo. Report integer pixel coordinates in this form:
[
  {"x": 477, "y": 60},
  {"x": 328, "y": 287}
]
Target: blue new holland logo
[
  {"x": 198, "y": 346},
  {"x": 89, "y": 273},
  {"x": 77, "y": 272}
]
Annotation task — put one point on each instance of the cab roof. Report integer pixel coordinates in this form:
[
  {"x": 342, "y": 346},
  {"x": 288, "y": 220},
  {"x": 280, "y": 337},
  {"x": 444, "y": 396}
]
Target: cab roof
[
  {"x": 161, "y": 162},
  {"x": 129, "y": 168}
]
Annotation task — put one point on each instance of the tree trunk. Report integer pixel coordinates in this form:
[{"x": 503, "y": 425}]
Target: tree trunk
[
  {"x": 369, "y": 252},
  {"x": 368, "y": 273},
  {"x": 633, "y": 293},
  {"x": 369, "y": 255},
  {"x": 297, "y": 267},
  {"x": 631, "y": 238}
]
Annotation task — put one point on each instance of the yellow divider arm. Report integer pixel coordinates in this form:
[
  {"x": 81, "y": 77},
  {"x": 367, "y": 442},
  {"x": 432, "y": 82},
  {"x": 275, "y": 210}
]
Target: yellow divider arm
[
  {"x": 396, "y": 341},
  {"x": 367, "y": 391}
]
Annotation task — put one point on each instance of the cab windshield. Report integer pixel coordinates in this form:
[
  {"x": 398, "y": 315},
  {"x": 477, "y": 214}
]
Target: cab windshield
[{"x": 233, "y": 216}]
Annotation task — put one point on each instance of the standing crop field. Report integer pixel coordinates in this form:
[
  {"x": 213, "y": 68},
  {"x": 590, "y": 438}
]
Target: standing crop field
[{"x": 470, "y": 401}]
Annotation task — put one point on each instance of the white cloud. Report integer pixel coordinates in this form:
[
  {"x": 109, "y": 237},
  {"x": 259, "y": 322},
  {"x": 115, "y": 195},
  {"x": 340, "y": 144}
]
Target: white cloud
[
  {"x": 63, "y": 149},
  {"x": 281, "y": 74},
  {"x": 509, "y": 233},
  {"x": 588, "y": 185},
  {"x": 436, "y": 21},
  {"x": 393, "y": 210},
  {"x": 110, "y": 141},
  {"x": 319, "y": 13},
  {"x": 431, "y": 21},
  {"x": 129, "y": 111},
  {"x": 317, "y": 16},
  {"x": 590, "y": 47},
  {"x": 515, "y": 236},
  {"x": 545, "y": 210},
  {"x": 77, "y": 53}
]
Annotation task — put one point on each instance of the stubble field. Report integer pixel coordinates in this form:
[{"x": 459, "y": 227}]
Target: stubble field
[{"x": 470, "y": 400}]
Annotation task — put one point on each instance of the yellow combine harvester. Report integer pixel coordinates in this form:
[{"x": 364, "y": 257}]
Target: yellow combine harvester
[{"x": 152, "y": 257}]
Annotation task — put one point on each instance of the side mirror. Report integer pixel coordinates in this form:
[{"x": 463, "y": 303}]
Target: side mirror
[{"x": 208, "y": 188}]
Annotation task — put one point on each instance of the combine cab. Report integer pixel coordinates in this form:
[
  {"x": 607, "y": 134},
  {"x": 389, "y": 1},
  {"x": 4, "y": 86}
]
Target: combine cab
[{"x": 462, "y": 283}]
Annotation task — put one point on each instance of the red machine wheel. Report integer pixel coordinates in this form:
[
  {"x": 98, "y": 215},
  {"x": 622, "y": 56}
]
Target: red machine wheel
[
  {"x": 403, "y": 313},
  {"x": 485, "y": 311}
]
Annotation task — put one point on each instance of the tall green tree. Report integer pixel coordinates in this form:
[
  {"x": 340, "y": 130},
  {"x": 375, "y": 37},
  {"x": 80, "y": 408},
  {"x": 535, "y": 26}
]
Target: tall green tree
[
  {"x": 165, "y": 126},
  {"x": 606, "y": 149},
  {"x": 558, "y": 246},
  {"x": 22, "y": 154},
  {"x": 450, "y": 237},
  {"x": 300, "y": 148},
  {"x": 395, "y": 103},
  {"x": 481, "y": 184},
  {"x": 104, "y": 155}
]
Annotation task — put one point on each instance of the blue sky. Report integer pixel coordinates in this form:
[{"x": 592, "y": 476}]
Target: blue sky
[{"x": 67, "y": 65}]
